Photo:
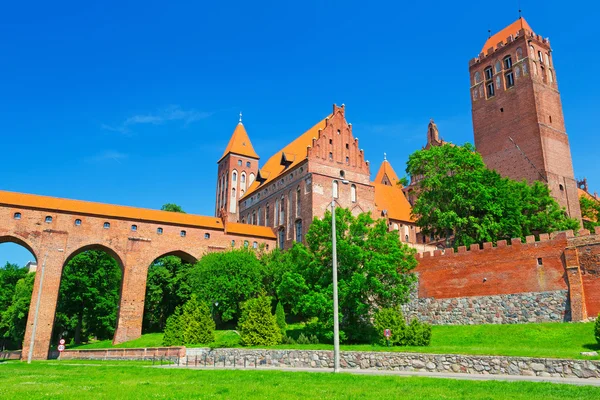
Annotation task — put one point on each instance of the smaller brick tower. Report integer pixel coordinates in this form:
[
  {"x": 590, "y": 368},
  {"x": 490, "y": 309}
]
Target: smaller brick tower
[
  {"x": 517, "y": 113},
  {"x": 236, "y": 171}
]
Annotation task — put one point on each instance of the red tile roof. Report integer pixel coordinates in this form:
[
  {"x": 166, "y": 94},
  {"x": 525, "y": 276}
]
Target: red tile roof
[
  {"x": 392, "y": 199},
  {"x": 501, "y": 36},
  {"x": 240, "y": 143}
]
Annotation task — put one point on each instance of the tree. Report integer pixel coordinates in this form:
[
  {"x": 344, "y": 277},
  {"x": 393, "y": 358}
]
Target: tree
[
  {"x": 14, "y": 318},
  {"x": 173, "y": 335},
  {"x": 190, "y": 324},
  {"x": 459, "y": 198},
  {"x": 373, "y": 272},
  {"x": 257, "y": 325},
  {"x": 172, "y": 208},
  {"x": 227, "y": 279},
  {"x": 88, "y": 297},
  {"x": 167, "y": 287},
  {"x": 597, "y": 329},
  {"x": 10, "y": 274},
  {"x": 280, "y": 317},
  {"x": 590, "y": 212}
]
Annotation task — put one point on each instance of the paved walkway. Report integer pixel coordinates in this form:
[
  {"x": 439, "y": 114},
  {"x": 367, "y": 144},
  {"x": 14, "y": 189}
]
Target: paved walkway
[{"x": 470, "y": 377}]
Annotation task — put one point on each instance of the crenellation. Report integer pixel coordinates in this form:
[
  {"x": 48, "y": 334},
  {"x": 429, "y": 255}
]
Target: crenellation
[
  {"x": 501, "y": 243},
  {"x": 544, "y": 237},
  {"x": 488, "y": 245},
  {"x": 474, "y": 247},
  {"x": 462, "y": 249}
]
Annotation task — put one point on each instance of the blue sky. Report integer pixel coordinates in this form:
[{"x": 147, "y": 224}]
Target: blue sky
[{"x": 133, "y": 103}]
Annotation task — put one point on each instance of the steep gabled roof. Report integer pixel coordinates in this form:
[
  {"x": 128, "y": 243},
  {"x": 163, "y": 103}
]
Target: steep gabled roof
[
  {"x": 240, "y": 143},
  {"x": 292, "y": 154},
  {"x": 392, "y": 200},
  {"x": 386, "y": 170},
  {"x": 501, "y": 36}
]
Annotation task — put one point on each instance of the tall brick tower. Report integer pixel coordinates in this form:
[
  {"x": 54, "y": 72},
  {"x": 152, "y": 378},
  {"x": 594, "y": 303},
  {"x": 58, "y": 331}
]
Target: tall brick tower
[
  {"x": 517, "y": 113},
  {"x": 236, "y": 171}
]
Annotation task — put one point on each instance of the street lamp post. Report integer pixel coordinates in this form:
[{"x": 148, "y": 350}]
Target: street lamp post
[{"x": 336, "y": 320}]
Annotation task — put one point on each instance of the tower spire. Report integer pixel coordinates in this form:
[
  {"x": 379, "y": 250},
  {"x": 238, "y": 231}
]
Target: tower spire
[{"x": 240, "y": 117}]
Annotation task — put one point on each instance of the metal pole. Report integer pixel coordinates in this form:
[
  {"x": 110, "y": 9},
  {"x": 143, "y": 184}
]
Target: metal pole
[
  {"x": 37, "y": 309},
  {"x": 336, "y": 322}
]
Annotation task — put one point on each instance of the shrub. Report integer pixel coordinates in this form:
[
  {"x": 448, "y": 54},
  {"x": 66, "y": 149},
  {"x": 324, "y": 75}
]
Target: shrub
[
  {"x": 414, "y": 334},
  {"x": 280, "y": 317},
  {"x": 288, "y": 340},
  {"x": 190, "y": 324},
  {"x": 597, "y": 329},
  {"x": 257, "y": 325}
]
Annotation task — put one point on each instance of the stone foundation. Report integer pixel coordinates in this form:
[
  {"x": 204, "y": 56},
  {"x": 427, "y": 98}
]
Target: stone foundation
[{"x": 498, "y": 309}]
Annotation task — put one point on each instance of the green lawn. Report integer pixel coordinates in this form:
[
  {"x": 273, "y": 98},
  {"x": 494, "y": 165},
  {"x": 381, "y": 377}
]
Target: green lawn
[
  {"x": 115, "y": 380},
  {"x": 528, "y": 340}
]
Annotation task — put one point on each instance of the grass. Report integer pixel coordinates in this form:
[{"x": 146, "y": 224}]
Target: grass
[
  {"x": 554, "y": 340},
  {"x": 115, "y": 380}
]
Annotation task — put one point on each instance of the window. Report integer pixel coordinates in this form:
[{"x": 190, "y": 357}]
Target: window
[
  {"x": 550, "y": 76},
  {"x": 338, "y": 131},
  {"x": 78, "y": 222},
  {"x": 519, "y": 54},
  {"x": 267, "y": 210},
  {"x": 498, "y": 66},
  {"x": 330, "y": 141},
  {"x": 330, "y": 156},
  {"x": 406, "y": 238},
  {"x": 299, "y": 231},
  {"x": 353, "y": 193},
  {"x": 276, "y": 212},
  {"x": 232, "y": 243},
  {"x": 488, "y": 73},
  {"x": 253, "y": 218},
  {"x": 17, "y": 215},
  {"x": 251, "y": 178},
  {"x": 246, "y": 244},
  {"x": 477, "y": 77},
  {"x": 561, "y": 187},
  {"x": 298, "y": 201},
  {"x": 48, "y": 219},
  {"x": 183, "y": 233},
  {"x": 517, "y": 72},
  {"x": 540, "y": 57},
  {"x": 248, "y": 164},
  {"x": 234, "y": 176},
  {"x": 547, "y": 59},
  {"x": 282, "y": 211},
  {"x": 134, "y": 228},
  {"x": 281, "y": 238},
  {"x": 159, "y": 231},
  {"x": 107, "y": 225},
  {"x": 335, "y": 189},
  {"x": 207, "y": 236},
  {"x": 347, "y": 146},
  {"x": 490, "y": 89},
  {"x": 240, "y": 163},
  {"x": 509, "y": 79},
  {"x": 507, "y": 62},
  {"x": 243, "y": 178},
  {"x": 347, "y": 160},
  {"x": 255, "y": 245},
  {"x": 543, "y": 73},
  {"x": 540, "y": 262},
  {"x": 550, "y": 118}
]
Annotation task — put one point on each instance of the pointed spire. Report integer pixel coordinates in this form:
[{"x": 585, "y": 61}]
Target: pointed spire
[
  {"x": 386, "y": 174},
  {"x": 384, "y": 157},
  {"x": 240, "y": 143}
]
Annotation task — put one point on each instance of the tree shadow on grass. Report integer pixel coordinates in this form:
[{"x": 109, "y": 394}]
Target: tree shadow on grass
[{"x": 592, "y": 346}]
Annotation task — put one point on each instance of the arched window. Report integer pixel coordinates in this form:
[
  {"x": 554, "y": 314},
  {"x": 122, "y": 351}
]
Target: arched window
[
  {"x": 498, "y": 66},
  {"x": 290, "y": 206},
  {"x": 498, "y": 82},
  {"x": 534, "y": 68},
  {"x": 255, "y": 245},
  {"x": 234, "y": 176},
  {"x": 243, "y": 180},
  {"x": 159, "y": 231},
  {"x": 207, "y": 235},
  {"x": 251, "y": 179},
  {"x": 78, "y": 222},
  {"x": 543, "y": 73},
  {"x": 106, "y": 225},
  {"x": 232, "y": 243},
  {"x": 233, "y": 202},
  {"x": 395, "y": 226},
  {"x": 240, "y": 163},
  {"x": 267, "y": 211},
  {"x": 253, "y": 218},
  {"x": 276, "y": 212},
  {"x": 259, "y": 217},
  {"x": 335, "y": 189},
  {"x": 48, "y": 219},
  {"x": 550, "y": 76},
  {"x": 547, "y": 59},
  {"x": 281, "y": 240},
  {"x": 183, "y": 233},
  {"x": 517, "y": 72},
  {"x": 298, "y": 201},
  {"x": 488, "y": 73},
  {"x": 477, "y": 77},
  {"x": 507, "y": 62},
  {"x": 282, "y": 211},
  {"x": 531, "y": 51},
  {"x": 246, "y": 243},
  {"x": 17, "y": 215},
  {"x": 248, "y": 164},
  {"x": 353, "y": 193},
  {"x": 299, "y": 231},
  {"x": 347, "y": 160},
  {"x": 519, "y": 54},
  {"x": 133, "y": 228}
]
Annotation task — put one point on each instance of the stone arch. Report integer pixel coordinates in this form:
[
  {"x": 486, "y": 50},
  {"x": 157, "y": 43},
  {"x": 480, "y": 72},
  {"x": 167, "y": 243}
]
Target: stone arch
[
  {"x": 97, "y": 246},
  {"x": 184, "y": 255},
  {"x": 21, "y": 242}
]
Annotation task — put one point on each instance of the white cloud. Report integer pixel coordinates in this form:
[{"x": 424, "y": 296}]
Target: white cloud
[{"x": 167, "y": 114}]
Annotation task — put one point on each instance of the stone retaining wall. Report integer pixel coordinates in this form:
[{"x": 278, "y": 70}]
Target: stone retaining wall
[
  {"x": 460, "y": 364},
  {"x": 10, "y": 355},
  {"x": 150, "y": 353},
  {"x": 550, "y": 306}
]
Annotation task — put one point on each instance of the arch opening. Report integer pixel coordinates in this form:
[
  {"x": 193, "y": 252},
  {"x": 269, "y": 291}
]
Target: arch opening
[{"x": 89, "y": 296}]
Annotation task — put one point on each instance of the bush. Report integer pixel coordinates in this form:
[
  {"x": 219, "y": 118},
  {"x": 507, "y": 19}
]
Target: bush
[
  {"x": 414, "y": 334},
  {"x": 190, "y": 324},
  {"x": 597, "y": 329},
  {"x": 311, "y": 339},
  {"x": 280, "y": 317},
  {"x": 288, "y": 340},
  {"x": 257, "y": 325}
]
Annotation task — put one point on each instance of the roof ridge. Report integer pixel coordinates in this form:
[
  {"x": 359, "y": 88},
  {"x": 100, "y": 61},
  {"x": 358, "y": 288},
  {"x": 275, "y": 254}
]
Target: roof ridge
[{"x": 240, "y": 143}]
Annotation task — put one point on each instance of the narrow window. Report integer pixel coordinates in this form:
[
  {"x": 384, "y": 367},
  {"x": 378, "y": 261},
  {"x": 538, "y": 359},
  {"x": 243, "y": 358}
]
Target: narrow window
[
  {"x": 540, "y": 57},
  {"x": 347, "y": 160},
  {"x": 255, "y": 245},
  {"x": 48, "y": 219},
  {"x": 240, "y": 163},
  {"x": 183, "y": 233},
  {"x": 17, "y": 215},
  {"x": 330, "y": 156},
  {"x": 106, "y": 225},
  {"x": 330, "y": 141},
  {"x": 347, "y": 146},
  {"x": 267, "y": 210},
  {"x": 259, "y": 217},
  {"x": 507, "y": 62},
  {"x": 335, "y": 189},
  {"x": 299, "y": 231},
  {"x": 253, "y": 218},
  {"x": 282, "y": 211},
  {"x": 78, "y": 222},
  {"x": 338, "y": 131},
  {"x": 510, "y": 79},
  {"x": 550, "y": 118},
  {"x": 134, "y": 228},
  {"x": 234, "y": 176},
  {"x": 232, "y": 243},
  {"x": 353, "y": 193},
  {"x": 406, "y": 238},
  {"x": 281, "y": 238},
  {"x": 207, "y": 236},
  {"x": 243, "y": 178},
  {"x": 561, "y": 187},
  {"x": 248, "y": 164},
  {"x": 519, "y": 53},
  {"x": 246, "y": 244},
  {"x": 488, "y": 73},
  {"x": 490, "y": 89},
  {"x": 543, "y": 73},
  {"x": 539, "y": 262},
  {"x": 276, "y": 212},
  {"x": 159, "y": 231},
  {"x": 550, "y": 76},
  {"x": 298, "y": 201}
]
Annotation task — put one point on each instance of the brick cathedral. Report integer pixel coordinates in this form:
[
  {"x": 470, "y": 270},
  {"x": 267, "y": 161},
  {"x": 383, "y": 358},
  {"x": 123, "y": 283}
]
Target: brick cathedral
[{"x": 518, "y": 128}]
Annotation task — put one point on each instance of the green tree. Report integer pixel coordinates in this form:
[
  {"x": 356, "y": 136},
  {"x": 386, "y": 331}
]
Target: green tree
[
  {"x": 257, "y": 325},
  {"x": 173, "y": 335},
  {"x": 190, "y": 324},
  {"x": 280, "y": 317},
  {"x": 392, "y": 319},
  {"x": 597, "y": 329},
  {"x": 10, "y": 274},
  {"x": 373, "y": 272},
  {"x": 88, "y": 297},
  {"x": 172, "y": 208},
  {"x": 227, "y": 279},
  {"x": 166, "y": 288},
  {"x": 590, "y": 212},
  {"x": 459, "y": 198},
  {"x": 13, "y": 319}
]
